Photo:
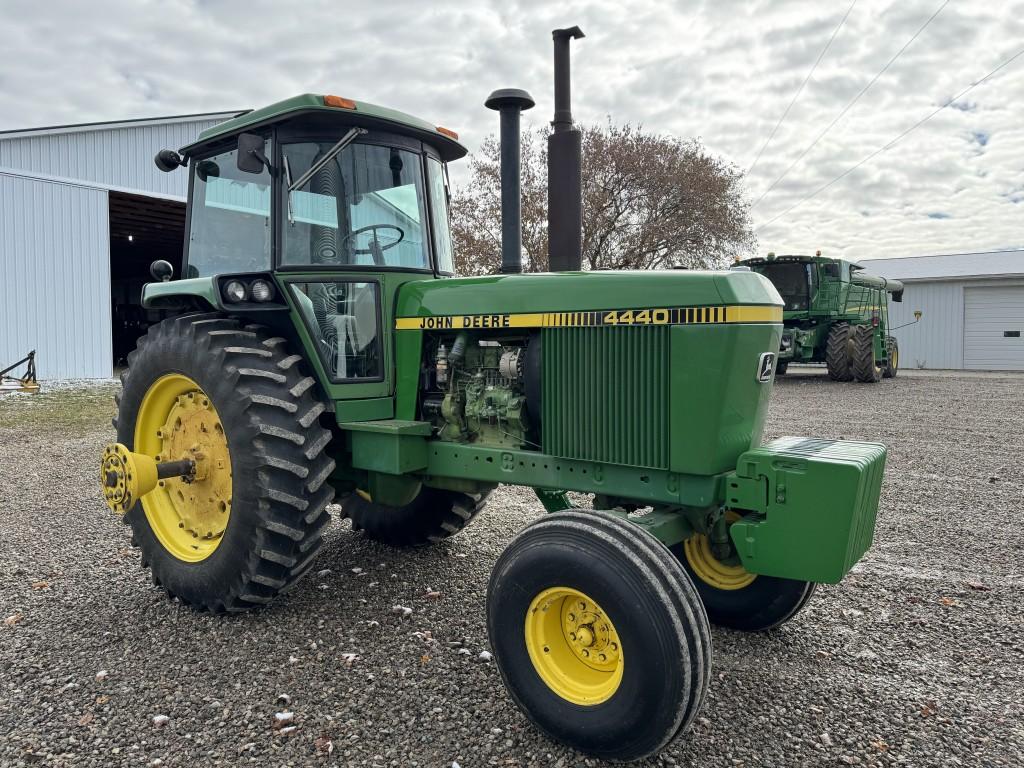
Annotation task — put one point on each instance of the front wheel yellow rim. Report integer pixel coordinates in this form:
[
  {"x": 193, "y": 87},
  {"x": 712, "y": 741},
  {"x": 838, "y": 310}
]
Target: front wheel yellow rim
[
  {"x": 712, "y": 571},
  {"x": 574, "y": 646},
  {"x": 177, "y": 420}
]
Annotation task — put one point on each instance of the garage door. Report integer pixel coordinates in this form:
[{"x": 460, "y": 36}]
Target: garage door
[{"x": 994, "y": 328}]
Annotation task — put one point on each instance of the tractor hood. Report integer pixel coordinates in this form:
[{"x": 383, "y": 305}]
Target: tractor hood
[{"x": 588, "y": 298}]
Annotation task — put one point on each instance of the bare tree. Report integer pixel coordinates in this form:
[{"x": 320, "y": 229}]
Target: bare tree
[{"x": 649, "y": 202}]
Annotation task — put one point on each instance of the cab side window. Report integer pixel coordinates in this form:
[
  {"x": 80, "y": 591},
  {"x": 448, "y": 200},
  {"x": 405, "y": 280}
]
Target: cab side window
[{"x": 343, "y": 318}]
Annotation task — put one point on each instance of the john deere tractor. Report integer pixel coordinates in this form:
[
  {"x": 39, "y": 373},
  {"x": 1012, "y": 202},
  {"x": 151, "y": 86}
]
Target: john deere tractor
[
  {"x": 320, "y": 348},
  {"x": 834, "y": 313}
]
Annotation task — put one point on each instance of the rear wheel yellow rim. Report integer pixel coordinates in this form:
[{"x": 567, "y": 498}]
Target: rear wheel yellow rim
[
  {"x": 574, "y": 646},
  {"x": 177, "y": 420}
]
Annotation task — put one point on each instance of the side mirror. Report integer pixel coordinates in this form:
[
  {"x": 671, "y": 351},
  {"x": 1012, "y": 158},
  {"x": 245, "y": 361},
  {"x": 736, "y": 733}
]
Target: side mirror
[
  {"x": 161, "y": 270},
  {"x": 250, "y": 153},
  {"x": 167, "y": 160}
]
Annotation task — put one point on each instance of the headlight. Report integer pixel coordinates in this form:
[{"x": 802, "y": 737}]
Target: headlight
[
  {"x": 235, "y": 291},
  {"x": 261, "y": 290}
]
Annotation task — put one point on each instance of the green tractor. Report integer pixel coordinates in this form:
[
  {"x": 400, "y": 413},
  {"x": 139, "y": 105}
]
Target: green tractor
[
  {"x": 319, "y": 348},
  {"x": 834, "y": 313}
]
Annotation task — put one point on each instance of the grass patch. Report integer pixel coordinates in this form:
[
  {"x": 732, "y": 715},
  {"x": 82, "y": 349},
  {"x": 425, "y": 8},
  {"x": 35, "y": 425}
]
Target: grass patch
[{"x": 72, "y": 411}]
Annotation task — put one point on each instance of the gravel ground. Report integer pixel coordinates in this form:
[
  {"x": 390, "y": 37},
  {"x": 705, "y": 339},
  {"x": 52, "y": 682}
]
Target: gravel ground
[{"x": 915, "y": 659}]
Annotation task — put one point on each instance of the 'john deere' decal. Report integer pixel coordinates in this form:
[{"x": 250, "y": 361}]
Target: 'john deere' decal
[
  {"x": 765, "y": 366},
  {"x": 600, "y": 317}
]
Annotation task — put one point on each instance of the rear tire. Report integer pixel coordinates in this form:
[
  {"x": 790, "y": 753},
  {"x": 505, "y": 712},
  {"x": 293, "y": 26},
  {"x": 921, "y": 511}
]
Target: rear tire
[
  {"x": 639, "y": 603},
  {"x": 892, "y": 364},
  {"x": 432, "y": 516},
  {"x": 269, "y": 414},
  {"x": 837, "y": 352},
  {"x": 864, "y": 365}
]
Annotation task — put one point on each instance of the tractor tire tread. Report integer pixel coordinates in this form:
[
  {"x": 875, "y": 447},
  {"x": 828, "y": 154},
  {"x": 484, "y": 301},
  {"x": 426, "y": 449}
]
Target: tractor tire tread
[
  {"x": 431, "y": 517},
  {"x": 274, "y": 414},
  {"x": 863, "y": 364},
  {"x": 837, "y": 353}
]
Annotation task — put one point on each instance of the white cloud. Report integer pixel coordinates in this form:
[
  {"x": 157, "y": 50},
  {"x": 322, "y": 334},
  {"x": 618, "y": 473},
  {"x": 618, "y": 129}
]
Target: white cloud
[{"x": 722, "y": 70}]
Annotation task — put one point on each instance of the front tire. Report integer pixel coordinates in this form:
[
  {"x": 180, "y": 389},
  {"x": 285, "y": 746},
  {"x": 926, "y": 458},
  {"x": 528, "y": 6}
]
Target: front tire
[
  {"x": 736, "y": 599},
  {"x": 598, "y": 634},
  {"x": 781, "y": 368},
  {"x": 251, "y": 526},
  {"x": 432, "y": 516},
  {"x": 837, "y": 352},
  {"x": 864, "y": 365}
]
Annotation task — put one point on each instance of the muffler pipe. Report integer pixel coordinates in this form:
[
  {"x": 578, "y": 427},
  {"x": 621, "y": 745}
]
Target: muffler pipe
[
  {"x": 565, "y": 162},
  {"x": 510, "y": 102}
]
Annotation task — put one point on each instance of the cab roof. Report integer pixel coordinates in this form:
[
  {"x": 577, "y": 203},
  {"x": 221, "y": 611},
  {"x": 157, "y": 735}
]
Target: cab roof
[
  {"x": 772, "y": 258},
  {"x": 360, "y": 113}
]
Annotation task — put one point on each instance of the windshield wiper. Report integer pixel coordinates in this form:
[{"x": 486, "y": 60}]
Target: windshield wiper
[
  {"x": 345, "y": 140},
  {"x": 288, "y": 183}
]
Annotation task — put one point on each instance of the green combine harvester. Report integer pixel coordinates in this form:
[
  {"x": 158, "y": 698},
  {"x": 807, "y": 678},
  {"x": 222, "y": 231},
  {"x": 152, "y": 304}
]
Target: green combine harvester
[
  {"x": 834, "y": 313},
  {"x": 319, "y": 348}
]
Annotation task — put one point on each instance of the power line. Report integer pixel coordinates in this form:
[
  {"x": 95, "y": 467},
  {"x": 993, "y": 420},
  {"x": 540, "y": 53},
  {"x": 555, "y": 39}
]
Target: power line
[
  {"x": 891, "y": 144},
  {"x": 801, "y": 88},
  {"x": 850, "y": 104}
]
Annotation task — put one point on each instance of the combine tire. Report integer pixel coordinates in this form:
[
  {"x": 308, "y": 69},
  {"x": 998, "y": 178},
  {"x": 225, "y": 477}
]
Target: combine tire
[
  {"x": 865, "y": 367},
  {"x": 248, "y": 526},
  {"x": 432, "y": 516},
  {"x": 735, "y": 598},
  {"x": 598, "y": 634},
  {"x": 837, "y": 353},
  {"x": 892, "y": 365}
]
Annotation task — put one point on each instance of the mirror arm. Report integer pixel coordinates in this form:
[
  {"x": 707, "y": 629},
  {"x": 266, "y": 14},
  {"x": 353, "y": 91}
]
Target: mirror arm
[{"x": 258, "y": 154}]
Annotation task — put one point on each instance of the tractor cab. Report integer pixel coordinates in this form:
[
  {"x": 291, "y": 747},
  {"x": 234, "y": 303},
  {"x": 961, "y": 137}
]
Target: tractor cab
[{"x": 324, "y": 206}]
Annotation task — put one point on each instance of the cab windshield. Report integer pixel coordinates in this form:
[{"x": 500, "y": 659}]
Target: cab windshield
[
  {"x": 792, "y": 281},
  {"x": 365, "y": 207}
]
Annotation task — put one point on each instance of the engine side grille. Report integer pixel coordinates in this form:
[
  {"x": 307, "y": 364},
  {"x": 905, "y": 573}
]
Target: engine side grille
[{"x": 606, "y": 394}]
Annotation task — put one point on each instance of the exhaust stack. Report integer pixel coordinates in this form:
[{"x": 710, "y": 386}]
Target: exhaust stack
[
  {"x": 565, "y": 184},
  {"x": 510, "y": 102}
]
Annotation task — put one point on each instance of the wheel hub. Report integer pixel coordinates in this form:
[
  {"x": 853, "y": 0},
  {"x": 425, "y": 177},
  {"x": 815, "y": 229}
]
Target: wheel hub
[
  {"x": 574, "y": 646},
  {"x": 193, "y": 431},
  {"x": 177, "y": 421}
]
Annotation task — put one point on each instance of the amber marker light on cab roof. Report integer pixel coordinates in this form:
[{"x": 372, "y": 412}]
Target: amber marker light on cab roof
[
  {"x": 448, "y": 132},
  {"x": 337, "y": 101}
]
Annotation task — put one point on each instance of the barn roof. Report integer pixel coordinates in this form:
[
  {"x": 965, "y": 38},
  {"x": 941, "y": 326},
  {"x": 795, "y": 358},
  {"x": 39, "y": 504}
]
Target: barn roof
[{"x": 950, "y": 266}]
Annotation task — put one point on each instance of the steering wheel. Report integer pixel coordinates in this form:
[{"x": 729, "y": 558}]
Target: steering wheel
[{"x": 376, "y": 250}]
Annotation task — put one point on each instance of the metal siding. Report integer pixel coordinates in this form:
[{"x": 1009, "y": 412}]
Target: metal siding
[
  {"x": 937, "y": 340},
  {"x": 988, "y": 312},
  {"x": 115, "y": 157},
  {"x": 55, "y": 289}
]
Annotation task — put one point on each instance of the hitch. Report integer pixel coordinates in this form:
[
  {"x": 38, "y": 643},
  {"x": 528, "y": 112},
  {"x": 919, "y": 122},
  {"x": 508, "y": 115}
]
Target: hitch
[
  {"x": 26, "y": 383},
  {"x": 126, "y": 476}
]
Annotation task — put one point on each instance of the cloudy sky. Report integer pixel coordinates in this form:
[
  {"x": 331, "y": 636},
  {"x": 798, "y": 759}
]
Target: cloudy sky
[{"x": 723, "y": 70}]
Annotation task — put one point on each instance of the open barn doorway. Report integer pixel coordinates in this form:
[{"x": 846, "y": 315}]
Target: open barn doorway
[{"x": 142, "y": 230}]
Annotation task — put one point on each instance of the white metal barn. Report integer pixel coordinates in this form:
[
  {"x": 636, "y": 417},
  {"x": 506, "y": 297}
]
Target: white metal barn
[
  {"x": 83, "y": 213},
  {"x": 972, "y": 307}
]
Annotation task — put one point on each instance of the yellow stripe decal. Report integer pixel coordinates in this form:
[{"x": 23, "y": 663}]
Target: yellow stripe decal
[{"x": 739, "y": 313}]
